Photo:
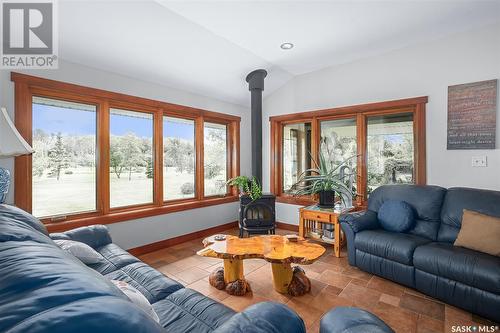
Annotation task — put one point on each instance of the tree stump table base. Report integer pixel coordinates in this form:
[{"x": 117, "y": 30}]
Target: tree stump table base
[
  {"x": 239, "y": 287},
  {"x": 288, "y": 280}
]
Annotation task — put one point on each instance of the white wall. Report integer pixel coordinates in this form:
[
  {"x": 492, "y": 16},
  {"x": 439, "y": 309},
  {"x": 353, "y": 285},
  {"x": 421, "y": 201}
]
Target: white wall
[
  {"x": 424, "y": 70},
  {"x": 147, "y": 230}
]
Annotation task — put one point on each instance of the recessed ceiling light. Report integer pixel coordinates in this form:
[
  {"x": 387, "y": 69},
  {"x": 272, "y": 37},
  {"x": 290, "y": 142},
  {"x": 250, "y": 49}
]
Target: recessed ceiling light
[{"x": 286, "y": 46}]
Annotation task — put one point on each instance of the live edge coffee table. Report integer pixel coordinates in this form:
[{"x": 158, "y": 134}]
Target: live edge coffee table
[{"x": 277, "y": 250}]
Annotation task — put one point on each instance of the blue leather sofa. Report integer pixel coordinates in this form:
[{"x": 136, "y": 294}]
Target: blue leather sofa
[
  {"x": 44, "y": 289},
  {"x": 424, "y": 258}
]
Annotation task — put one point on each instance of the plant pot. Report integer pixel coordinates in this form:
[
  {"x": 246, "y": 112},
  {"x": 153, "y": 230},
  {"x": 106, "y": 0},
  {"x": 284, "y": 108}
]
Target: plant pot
[{"x": 327, "y": 199}]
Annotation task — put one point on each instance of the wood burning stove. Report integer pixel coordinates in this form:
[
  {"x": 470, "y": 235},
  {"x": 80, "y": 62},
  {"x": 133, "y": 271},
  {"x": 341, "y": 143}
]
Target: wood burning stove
[{"x": 257, "y": 217}]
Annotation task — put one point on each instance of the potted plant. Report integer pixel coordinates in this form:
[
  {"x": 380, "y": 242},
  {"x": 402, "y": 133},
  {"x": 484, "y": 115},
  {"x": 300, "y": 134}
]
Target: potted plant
[
  {"x": 247, "y": 186},
  {"x": 325, "y": 181}
]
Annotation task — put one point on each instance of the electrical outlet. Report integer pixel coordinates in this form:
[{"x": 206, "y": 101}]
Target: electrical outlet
[{"x": 479, "y": 161}]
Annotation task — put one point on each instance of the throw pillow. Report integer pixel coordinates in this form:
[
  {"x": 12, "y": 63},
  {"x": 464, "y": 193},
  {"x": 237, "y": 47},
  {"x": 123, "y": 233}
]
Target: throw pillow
[
  {"x": 82, "y": 251},
  {"x": 396, "y": 216},
  {"x": 479, "y": 232},
  {"x": 137, "y": 298}
]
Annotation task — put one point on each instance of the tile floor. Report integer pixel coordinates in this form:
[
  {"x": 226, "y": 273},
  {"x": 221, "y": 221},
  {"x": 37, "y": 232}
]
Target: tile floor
[{"x": 334, "y": 283}]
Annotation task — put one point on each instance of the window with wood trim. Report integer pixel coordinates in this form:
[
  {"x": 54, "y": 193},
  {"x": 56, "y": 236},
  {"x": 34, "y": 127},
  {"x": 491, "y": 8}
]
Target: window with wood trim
[
  {"x": 179, "y": 162},
  {"x": 64, "y": 139},
  {"x": 215, "y": 159},
  {"x": 103, "y": 157},
  {"x": 383, "y": 143}
]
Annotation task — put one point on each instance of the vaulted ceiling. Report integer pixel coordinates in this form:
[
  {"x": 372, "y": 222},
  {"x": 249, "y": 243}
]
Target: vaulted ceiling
[{"x": 208, "y": 47}]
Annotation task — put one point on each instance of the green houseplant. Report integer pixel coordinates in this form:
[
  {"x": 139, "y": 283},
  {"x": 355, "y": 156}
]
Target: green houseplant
[
  {"x": 324, "y": 180},
  {"x": 247, "y": 186}
]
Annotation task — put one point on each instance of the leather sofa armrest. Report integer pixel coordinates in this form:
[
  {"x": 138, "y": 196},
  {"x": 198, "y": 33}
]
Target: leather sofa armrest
[
  {"x": 262, "y": 318},
  {"x": 359, "y": 221},
  {"x": 353, "y": 223},
  {"x": 95, "y": 235},
  {"x": 351, "y": 319}
]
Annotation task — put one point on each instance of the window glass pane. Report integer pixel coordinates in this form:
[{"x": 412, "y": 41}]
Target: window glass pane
[
  {"x": 178, "y": 159},
  {"x": 296, "y": 152},
  {"x": 390, "y": 150},
  {"x": 339, "y": 146},
  {"x": 64, "y": 162},
  {"x": 215, "y": 159},
  {"x": 130, "y": 158}
]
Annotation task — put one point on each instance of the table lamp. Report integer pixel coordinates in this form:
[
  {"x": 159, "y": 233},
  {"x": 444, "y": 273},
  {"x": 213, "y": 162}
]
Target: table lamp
[{"x": 11, "y": 144}]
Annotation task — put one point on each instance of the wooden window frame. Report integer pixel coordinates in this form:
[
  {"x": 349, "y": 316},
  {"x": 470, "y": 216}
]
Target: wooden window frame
[
  {"x": 26, "y": 87},
  {"x": 416, "y": 106}
]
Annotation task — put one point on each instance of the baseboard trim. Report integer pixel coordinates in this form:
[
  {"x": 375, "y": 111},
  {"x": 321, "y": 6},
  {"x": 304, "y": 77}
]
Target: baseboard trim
[
  {"x": 287, "y": 226},
  {"x": 140, "y": 250}
]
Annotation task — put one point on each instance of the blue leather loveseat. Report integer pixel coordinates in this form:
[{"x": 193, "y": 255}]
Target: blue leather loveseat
[
  {"x": 44, "y": 289},
  {"x": 424, "y": 257}
]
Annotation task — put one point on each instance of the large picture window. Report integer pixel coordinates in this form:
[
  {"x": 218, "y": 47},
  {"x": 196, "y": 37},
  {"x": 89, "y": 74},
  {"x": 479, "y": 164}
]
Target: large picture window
[
  {"x": 179, "y": 158},
  {"x": 64, "y": 162},
  {"x": 296, "y": 152},
  {"x": 390, "y": 148},
  {"x": 215, "y": 158},
  {"x": 103, "y": 157},
  {"x": 130, "y": 158},
  {"x": 371, "y": 145}
]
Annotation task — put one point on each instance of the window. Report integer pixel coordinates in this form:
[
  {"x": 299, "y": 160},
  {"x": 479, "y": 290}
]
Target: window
[
  {"x": 130, "y": 158},
  {"x": 339, "y": 145},
  {"x": 296, "y": 152},
  {"x": 390, "y": 150},
  {"x": 64, "y": 162},
  {"x": 215, "y": 159},
  {"x": 179, "y": 158},
  {"x": 371, "y": 144},
  {"x": 103, "y": 157}
]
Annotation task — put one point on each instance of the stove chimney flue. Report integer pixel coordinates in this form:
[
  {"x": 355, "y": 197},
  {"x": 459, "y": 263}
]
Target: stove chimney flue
[{"x": 255, "y": 81}]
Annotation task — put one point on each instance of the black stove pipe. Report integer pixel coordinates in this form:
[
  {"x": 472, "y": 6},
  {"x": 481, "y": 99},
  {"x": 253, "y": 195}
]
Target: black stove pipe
[{"x": 255, "y": 81}]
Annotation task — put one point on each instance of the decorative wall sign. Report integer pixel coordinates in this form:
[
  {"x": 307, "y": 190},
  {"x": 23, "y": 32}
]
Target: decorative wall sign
[{"x": 472, "y": 110}]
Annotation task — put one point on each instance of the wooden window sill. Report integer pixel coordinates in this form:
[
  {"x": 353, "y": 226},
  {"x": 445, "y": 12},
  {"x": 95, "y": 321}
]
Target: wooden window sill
[
  {"x": 126, "y": 215},
  {"x": 301, "y": 201}
]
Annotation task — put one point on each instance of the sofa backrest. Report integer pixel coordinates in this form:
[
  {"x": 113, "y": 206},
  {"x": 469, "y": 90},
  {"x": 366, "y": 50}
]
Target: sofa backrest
[
  {"x": 44, "y": 289},
  {"x": 459, "y": 198},
  {"x": 425, "y": 200},
  {"x": 17, "y": 225}
]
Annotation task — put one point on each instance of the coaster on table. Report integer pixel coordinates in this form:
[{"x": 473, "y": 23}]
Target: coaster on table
[{"x": 220, "y": 237}]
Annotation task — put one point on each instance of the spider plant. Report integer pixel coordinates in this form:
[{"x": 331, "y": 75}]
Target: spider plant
[{"x": 324, "y": 178}]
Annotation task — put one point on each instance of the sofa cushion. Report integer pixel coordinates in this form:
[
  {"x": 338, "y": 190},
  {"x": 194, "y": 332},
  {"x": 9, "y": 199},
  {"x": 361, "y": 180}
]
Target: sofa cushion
[
  {"x": 479, "y": 232},
  {"x": 150, "y": 282},
  {"x": 390, "y": 245},
  {"x": 456, "y": 200},
  {"x": 425, "y": 200},
  {"x": 396, "y": 216},
  {"x": 187, "y": 310},
  {"x": 470, "y": 267},
  {"x": 115, "y": 258}
]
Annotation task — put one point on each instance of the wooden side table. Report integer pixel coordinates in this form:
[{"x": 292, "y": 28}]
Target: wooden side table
[{"x": 314, "y": 221}]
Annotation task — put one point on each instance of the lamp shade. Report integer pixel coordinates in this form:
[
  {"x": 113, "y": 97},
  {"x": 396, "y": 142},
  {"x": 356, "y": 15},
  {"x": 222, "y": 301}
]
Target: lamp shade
[{"x": 11, "y": 142}]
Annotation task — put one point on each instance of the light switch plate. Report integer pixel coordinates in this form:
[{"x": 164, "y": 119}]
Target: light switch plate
[{"x": 479, "y": 161}]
